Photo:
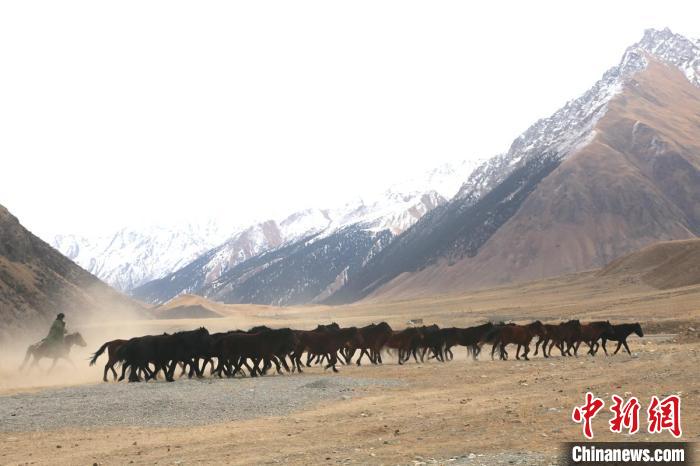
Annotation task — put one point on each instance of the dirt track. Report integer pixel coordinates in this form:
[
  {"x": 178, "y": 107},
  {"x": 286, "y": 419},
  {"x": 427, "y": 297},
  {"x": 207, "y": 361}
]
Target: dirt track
[{"x": 447, "y": 413}]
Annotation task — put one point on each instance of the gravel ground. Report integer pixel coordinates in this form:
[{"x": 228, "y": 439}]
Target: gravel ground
[
  {"x": 182, "y": 403},
  {"x": 503, "y": 458}
]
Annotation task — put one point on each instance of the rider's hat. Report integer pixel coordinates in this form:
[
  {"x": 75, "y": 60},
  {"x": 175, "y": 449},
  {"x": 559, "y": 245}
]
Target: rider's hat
[{"x": 60, "y": 315}]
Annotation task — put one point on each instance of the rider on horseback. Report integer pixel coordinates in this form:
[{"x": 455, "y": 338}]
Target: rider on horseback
[{"x": 56, "y": 332}]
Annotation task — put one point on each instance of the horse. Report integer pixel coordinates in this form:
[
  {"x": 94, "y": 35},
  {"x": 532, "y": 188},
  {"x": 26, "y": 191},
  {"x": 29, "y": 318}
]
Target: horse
[
  {"x": 270, "y": 346},
  {"x": 161, "y": 350},
  {"x": 619, "y": 334},
  {"x": 590, "y": 333},
  {"x": 406, "y": 342},
  {"x": 492, "y": 335},
  {"x": 111, "y": 347},
  {"x": 440, "y": 342},
  {"x": 470, "y": 337},
  {"x": 374, "y": 337},
  {"x": 520, "y": 335},
  {"x": 57, "y": 351},
  {"x": 326, "y": 342},
  {"x": 559, "y": 335}
]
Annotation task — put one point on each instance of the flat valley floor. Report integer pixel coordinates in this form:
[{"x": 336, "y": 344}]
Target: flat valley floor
[{"x": 459, "y": 412}]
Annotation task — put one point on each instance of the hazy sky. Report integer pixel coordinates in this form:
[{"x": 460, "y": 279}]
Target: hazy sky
[{"x": 126, "y": 113}]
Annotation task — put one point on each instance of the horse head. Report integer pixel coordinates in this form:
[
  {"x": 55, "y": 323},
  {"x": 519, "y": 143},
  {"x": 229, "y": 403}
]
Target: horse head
[
  {"x": 538, "y": 327},
  {"x": 75, "y": 339},
  {"x": 638, "y": 329}
]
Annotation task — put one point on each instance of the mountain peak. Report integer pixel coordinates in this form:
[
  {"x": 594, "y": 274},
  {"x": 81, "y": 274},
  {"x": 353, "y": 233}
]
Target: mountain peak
[
  {"x": 671, "y": 48},
  {"x": 571, "y": 126}
]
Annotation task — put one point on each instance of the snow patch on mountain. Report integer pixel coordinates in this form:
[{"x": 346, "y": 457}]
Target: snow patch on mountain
[
  {"x": 571, "y": 126},
  {"x": 129, "y": 258}
]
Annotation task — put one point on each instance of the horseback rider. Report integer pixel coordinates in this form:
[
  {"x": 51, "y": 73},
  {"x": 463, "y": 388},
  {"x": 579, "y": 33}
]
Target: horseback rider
[{"x": 56, "y": 332}]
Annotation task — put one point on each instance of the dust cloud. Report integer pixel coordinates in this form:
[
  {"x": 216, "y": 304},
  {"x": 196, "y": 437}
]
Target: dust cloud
[{"x": 95, "y": 331}]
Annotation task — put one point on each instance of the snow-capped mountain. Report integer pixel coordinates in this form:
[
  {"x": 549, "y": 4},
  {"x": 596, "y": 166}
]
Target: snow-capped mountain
[
  {"x": 128, "y": 258},
  {"x": 608, "y": 173},
  {"x": 346, "y": 236},
  {"x": 572, "y": 126}
]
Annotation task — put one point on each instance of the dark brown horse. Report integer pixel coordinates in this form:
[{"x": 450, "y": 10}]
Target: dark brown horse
[
  {"x": 111, "y": 347},
  {"x": 520, "y": 335},
  {"x": 56, "y": 351},
  {"x": 471, "y": 337},
  {"x": 591, "y": 333},
  {"x": 619, "y": 334},
  {"x": 374, "y": 337},
  {"x": 406, "y": 342},
  {"x": 270, "y": 346},
  {"x": 326, "y": 342},
  {"x": 562, "y": 335}
]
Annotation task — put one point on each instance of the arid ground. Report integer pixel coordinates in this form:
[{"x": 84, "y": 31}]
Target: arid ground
[{"x": 460, "y": 412}]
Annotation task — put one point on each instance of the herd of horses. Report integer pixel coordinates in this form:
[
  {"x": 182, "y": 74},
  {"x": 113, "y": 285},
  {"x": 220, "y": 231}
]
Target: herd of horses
[{"x": 260, "y": 348}]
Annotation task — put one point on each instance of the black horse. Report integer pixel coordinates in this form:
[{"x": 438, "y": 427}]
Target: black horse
[
  {"x": 619, "y": 334},
  {"x": 164, "y": 352}
]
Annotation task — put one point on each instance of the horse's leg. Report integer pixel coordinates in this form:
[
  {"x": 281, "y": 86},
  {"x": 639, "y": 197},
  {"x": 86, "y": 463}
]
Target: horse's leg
[
  {"x": 624, "y": 342},
  {"x": 283, "y": 361},
  {"x": 362, "y": 353},
  {"x": 27, "y": 355},
  {"x": 296, "y": 360},
  {"x": 333, "y": 361},
  {"x": 420, "y": 353},
  {"x": 526, "y": 349},
  {"x": 551, "y": 345},
  {"x": 55, "y": 360},
  {"x": 133, "y": 373},
  {"x": 537, "y": 345},
  {"x": 278, "y": 366},
  {"x": 517, "y": 352},
  {"x": 124, "y": 366},
  {"x": 602, "y": 343},
  {"x": 254, "y": 370}
]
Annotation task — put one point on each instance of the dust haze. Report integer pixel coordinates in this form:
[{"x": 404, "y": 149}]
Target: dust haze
[{"x": 96, "y": 329}]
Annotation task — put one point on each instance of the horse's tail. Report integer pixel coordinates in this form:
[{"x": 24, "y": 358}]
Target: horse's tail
[{"x": 97, "y": 354}]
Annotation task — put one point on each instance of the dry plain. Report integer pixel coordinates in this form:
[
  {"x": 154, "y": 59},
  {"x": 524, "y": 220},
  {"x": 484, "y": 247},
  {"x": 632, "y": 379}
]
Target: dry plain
[{"x": 460, "y": 412}]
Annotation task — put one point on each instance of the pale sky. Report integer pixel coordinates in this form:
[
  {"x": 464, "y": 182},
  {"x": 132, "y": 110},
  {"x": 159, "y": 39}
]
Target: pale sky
[{"x": 125, "y": 113}]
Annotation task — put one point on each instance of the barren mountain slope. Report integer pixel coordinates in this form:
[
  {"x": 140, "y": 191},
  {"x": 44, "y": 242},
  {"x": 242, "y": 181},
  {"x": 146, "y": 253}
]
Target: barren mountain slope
[
  {"x": 636, "y": 182},
  {"x": 665, "y": 265},
  {"x": 36, "y": 282}
]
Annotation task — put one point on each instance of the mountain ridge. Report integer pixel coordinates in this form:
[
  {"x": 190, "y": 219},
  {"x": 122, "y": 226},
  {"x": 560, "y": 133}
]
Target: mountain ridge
[{"x": 503, "y": 257}]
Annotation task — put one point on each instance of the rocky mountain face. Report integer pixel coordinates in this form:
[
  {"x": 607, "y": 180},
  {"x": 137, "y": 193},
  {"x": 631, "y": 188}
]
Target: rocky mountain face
[
  {"x": 130, "y": 258},
  {"x": 37, "y": 282},
  {"x": 610, "y": 172},
  {"x": 303, "y": 258}
]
